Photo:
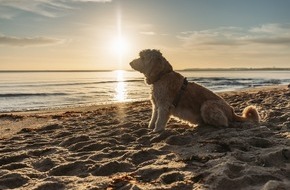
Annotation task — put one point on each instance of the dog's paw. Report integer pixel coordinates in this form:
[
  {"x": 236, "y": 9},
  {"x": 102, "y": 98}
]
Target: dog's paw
[
  {"x": 158, "y": 130},
  {"x": 153, "y": 133},
  {"x": 151, "y": 126}
]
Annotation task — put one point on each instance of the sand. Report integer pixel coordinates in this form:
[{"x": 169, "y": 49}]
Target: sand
[{"x": 110, "y": 147}]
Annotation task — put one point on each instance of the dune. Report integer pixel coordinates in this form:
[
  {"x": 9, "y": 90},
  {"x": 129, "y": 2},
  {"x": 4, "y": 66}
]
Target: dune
[{"x": 110, "y": 147}]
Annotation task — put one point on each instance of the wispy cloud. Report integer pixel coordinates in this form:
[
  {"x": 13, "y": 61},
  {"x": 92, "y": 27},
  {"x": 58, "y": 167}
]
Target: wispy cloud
[
  {"x": 6, "y": 13},
  {"x": 102, "y": 1},
  {"x": 25, "y": 42},
  {"x": 150, "y": 33},
  {"x": 47, "y": 8},
  {"x": 270, "y": 34},
  {"x": 272, "y": 28}
]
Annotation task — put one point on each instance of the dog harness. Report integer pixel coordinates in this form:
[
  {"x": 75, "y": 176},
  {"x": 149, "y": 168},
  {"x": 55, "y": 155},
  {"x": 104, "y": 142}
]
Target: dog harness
[{"x": 181, "y": 91}]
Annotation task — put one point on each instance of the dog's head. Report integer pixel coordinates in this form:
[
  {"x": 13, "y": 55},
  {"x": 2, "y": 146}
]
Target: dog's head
[{"x": 152, "y": 64}]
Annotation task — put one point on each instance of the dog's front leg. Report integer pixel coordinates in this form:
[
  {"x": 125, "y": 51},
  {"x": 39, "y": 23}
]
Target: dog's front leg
[
  {"x": 162, "y": 119},
  {"x": 153, "y": 118}
]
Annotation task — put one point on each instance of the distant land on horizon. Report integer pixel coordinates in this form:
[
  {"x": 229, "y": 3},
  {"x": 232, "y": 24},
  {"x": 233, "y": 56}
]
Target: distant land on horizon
[
  {"x": 187, "y": 69},
  {"x": 237, "y": 69}
]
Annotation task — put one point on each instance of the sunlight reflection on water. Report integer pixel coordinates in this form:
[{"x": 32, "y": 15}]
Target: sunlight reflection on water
[{"x": 121, "y": 88}]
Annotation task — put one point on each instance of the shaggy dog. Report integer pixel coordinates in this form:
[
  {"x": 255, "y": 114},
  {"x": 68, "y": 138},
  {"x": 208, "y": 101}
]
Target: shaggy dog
[{"x": 173, "y": 96}]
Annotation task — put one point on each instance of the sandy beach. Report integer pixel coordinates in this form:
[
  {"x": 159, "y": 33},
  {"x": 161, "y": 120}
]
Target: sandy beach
[{"x": 110, "y": 147}]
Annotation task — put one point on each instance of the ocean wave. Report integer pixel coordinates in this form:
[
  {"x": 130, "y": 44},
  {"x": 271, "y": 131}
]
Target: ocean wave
[
  {"x": 223, "y": 81},
  {"x": 6, "y": 95},
  {"x": 56, "y": 83}
]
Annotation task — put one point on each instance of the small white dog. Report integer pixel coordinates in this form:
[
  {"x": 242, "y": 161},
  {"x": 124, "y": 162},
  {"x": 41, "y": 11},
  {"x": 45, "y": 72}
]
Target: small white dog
[{"x": 172, "y": 95}]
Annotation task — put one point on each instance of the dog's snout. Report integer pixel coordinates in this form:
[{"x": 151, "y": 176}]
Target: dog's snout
[
  {"x": 137, "y": 65},
  {"x": 133, "y": 63}
]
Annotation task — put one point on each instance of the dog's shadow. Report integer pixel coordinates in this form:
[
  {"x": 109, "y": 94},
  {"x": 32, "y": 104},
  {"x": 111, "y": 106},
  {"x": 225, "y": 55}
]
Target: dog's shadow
[
  {"x": 203, "y": 142},
  {"x": 205, "y": 128}
]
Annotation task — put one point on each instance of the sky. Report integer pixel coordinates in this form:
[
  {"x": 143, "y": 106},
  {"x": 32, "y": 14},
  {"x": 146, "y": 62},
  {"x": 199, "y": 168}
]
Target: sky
[{"x": 108, "y": 34}]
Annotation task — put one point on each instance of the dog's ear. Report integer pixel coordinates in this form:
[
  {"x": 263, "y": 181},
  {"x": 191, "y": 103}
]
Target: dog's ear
[
  {"x": 143, "y": 53},
  {"x": 156, "y": 65},
  {"x": 150, "y": 54}
]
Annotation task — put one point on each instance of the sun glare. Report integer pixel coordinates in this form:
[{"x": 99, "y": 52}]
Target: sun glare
[{"x": 120, "y": 45}]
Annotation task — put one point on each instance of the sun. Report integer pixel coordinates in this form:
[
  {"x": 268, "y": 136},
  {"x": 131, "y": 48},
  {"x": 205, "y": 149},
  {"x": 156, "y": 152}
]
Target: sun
[
  {"x": 120, "y": 45},
  {"x": 120, "y": 49}
]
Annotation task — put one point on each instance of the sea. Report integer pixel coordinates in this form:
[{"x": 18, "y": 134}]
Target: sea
[{"x": 28, "y": 91}]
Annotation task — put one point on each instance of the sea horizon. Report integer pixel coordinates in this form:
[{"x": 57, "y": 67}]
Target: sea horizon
[{"x": 186, "y": 69}]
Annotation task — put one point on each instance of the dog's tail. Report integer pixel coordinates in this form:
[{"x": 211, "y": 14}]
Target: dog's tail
[{"x": 250, "y": 113}]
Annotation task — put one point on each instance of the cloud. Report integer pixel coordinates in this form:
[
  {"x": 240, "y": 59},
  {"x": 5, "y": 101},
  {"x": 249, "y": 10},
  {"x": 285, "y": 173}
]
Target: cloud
[
  {"x": 98, "y": 1},
  {"x": 5, "y": 13},
  {"x": 225, "y": 36},
  {"x": 25, "y": 42},
  {"x": 275, "y": 34},
  {"x": 47, "y": 8},
  {"x": 277, "y": 40},
  {"x": 148, "y": 33},
  {"x": 272, "y": 28},
  {"x": 270, "y": 34}
]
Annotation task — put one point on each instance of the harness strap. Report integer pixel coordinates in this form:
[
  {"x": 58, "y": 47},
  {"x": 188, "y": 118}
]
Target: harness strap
[{"x": 181, "y": 91}]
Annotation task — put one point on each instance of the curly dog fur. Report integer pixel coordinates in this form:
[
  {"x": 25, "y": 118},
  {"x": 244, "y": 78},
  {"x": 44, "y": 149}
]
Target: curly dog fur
[{"x": 198, "y": 105}]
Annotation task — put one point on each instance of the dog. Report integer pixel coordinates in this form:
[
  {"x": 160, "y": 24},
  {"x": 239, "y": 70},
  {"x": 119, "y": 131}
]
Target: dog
[{"x": 172, "y": 95}]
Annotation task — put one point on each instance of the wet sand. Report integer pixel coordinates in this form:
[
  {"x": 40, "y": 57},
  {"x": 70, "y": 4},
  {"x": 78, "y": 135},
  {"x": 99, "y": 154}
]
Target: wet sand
[{"x": 110, "y": 147}]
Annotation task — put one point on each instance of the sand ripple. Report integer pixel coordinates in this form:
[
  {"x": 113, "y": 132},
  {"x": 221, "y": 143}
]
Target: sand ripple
[{"x": 111, "y": 148}]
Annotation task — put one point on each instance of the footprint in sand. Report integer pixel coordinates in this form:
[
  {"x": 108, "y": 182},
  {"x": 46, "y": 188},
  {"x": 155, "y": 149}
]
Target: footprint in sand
[
  {"x": 44, "y": 164},
  {"x": 12, "y": 181},
  {"x": 113, "y": 167},
  {"x": 78, "y": 168},
  {"x": 171, "y": 177},
  {"x": 49, "y": 185}
]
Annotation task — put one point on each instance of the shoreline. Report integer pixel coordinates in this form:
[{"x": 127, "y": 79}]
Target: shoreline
[
  {"x": 37, "y": 118},
  {"x": 110, "y": 147},
  {"x": 96, "y": 106}
]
